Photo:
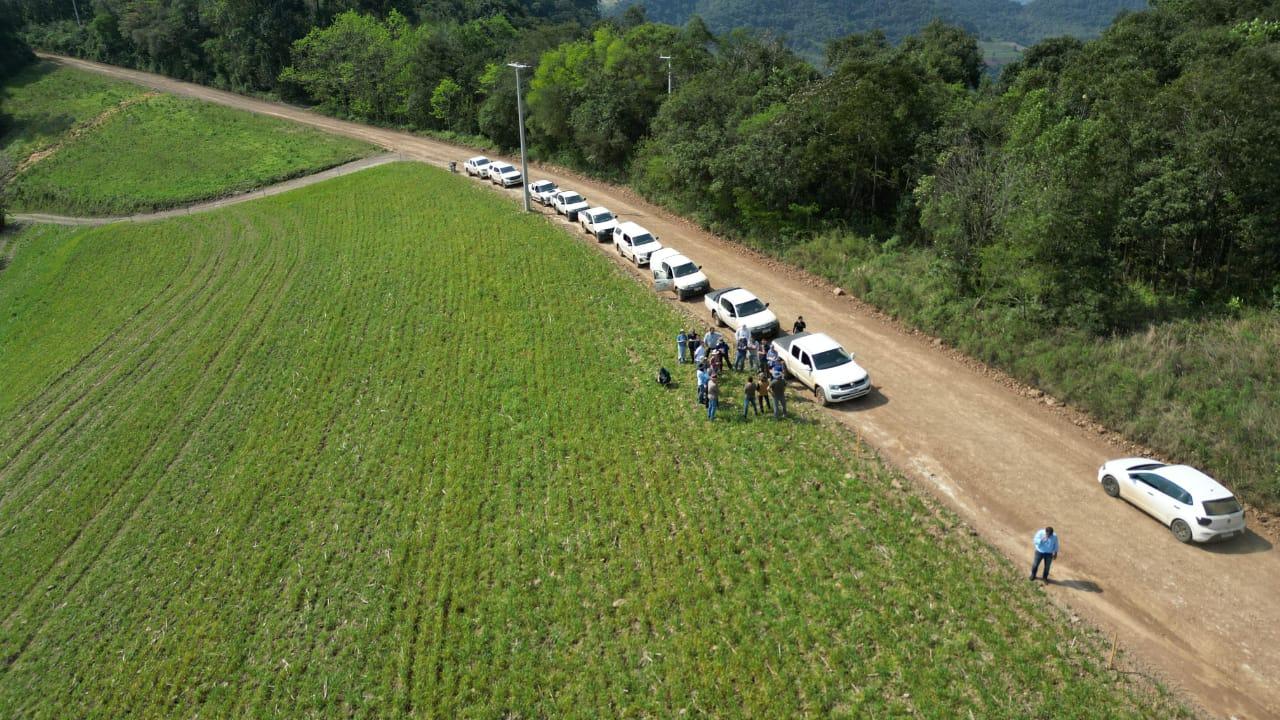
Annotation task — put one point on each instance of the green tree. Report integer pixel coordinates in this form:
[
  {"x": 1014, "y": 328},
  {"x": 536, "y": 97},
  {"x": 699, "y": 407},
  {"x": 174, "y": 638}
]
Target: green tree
[
  {"x": 14, "y": 53},
  {"x": 947, "y": 52},
  {"x": 357, "y": 66}
]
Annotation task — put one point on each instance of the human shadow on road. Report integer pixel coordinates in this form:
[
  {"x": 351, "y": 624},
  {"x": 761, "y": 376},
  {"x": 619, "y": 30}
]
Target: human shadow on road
[
  {"x": 1081, "y": 585},
  {"x": 1247, "y": 544}
]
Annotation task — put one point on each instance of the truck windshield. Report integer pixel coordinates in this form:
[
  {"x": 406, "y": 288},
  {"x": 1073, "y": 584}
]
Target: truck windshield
[
  {"x": 605, "y": 216},
  {"x": 685, "y": 269},
  {"x": 750, "y": 307},
  {"x": 1224, "y": 506},
  {"x": 827, "y": 359},
  {"x": 571, "y": 198},
  {"x": 644, "y": 239}
]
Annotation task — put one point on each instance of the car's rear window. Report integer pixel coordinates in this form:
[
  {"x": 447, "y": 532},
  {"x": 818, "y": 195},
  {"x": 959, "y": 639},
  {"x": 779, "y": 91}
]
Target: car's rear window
[{"x": 1223, "y": 506}]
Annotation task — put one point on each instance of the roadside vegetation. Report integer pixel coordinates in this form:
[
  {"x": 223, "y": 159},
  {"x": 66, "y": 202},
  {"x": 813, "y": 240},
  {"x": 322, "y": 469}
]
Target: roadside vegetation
[
  {"x": 81, "y": 145},
  {"x": 348, "y": 449}
]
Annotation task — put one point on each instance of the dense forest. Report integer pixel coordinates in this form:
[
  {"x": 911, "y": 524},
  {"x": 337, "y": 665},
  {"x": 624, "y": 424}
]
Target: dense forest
[
  {"x": 1095, "y": 188},
  {"x": 809, "y": 25}
]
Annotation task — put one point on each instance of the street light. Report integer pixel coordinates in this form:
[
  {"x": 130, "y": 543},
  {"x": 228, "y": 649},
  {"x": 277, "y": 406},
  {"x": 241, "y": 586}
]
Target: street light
[
  {"x": 524, "y": 158},
  {"x": 668, "y": 59}
]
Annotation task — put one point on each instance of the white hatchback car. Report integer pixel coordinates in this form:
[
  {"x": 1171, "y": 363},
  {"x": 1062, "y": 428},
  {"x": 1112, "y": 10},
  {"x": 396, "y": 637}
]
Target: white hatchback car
[{"x": 1193, "y": 505}]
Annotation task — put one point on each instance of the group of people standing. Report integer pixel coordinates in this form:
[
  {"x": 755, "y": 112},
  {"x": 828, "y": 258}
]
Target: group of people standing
[{"x": 764, "y": 385}]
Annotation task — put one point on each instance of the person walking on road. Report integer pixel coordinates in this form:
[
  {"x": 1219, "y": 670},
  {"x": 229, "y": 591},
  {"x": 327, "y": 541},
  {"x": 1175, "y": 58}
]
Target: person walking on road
[
  {"x": 778, "y": 387},
  {"x": 682, "y": 341},
  {"x": 713, "y": 397},
  {"x": 799, "y": 325},
  {"x": 1046, "y": 544},
  {"x": 749, "y": 397}
]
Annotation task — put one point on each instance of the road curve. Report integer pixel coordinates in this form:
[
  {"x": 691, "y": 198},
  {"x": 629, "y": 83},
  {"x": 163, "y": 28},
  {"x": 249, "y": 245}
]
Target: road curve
[
  {"x": 1207, "y": 619},
  {"x": 206, "y": 206}
]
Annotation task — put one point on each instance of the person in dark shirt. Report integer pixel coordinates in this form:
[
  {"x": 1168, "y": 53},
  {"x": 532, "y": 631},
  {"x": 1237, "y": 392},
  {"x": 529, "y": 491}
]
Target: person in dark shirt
[
  {"x": 778, "y": 388},
  {"x": 749, "y": 397},
  {"x": 799, "y": 326}
]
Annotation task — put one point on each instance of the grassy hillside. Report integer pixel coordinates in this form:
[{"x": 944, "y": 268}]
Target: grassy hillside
[
  {"x": 44, "y": 102},
  {"x": 348, "y": 451},
  {"x": 118, "y": 150}
]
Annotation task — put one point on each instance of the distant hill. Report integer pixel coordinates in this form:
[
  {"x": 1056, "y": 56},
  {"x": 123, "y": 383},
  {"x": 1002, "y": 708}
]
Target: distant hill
[{"x": 809, "y": 24}]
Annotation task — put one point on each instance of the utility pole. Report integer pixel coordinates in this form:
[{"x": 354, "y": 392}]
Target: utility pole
[
  {"x": 76, "y": 8},
  {"x": 668, "y": 59},
  {"x": 524, "y": 157}
]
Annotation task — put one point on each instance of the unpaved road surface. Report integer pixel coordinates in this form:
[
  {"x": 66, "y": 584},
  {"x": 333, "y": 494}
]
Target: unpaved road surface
[
  {"x": 1207, "y": 619},
  {"x": 206, "y": 206}
]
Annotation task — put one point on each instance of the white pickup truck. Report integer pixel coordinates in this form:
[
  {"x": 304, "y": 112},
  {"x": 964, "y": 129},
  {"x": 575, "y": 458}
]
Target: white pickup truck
[
  {"x": 599, "y": 222},
  {"x": 634, "y": 242},
  {"x": 477, "y": 166},
  {"x": 822, "y": 365},
  {"x": 569, "y": 203},
  {"x": 542, "y": 190},
  {"x": 735, "y": 307},
  {"x": 675, "y": 272},
  {"x": 504, "y": 174}
]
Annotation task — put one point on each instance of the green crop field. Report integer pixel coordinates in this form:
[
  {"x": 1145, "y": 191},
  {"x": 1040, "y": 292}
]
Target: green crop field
[
  {"x": 119, "y": 150},
  {"x": 387, "y": 447}
]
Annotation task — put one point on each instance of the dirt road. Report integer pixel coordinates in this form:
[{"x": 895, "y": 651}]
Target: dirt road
[{"x": 1206, "y": 618}]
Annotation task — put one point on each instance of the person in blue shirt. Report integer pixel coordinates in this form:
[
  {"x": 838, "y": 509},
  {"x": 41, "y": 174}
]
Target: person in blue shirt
[
  {"x": 704, "y": 377},
  {"x": 1046, "y": 544},
  {"x": 681, "y": 340}
]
